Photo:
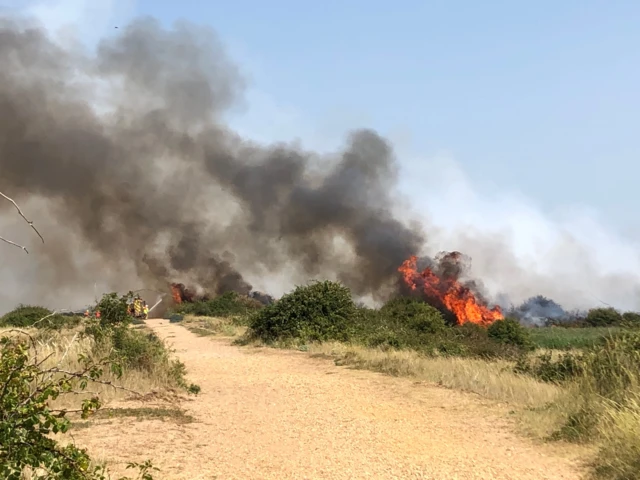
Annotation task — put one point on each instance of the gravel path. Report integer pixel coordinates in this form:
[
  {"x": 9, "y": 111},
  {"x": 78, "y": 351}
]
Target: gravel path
[{"x": 272, "y": 414}]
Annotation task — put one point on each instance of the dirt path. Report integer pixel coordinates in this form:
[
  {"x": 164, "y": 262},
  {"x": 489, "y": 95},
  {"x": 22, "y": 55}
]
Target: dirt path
[{"x": 271, "y": 414}]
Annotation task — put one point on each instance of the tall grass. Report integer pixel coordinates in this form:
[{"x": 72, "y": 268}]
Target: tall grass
[
  {"x": 561, "y": 338},
  {"x": 605, "y": 404},
  {"x": 619, "y": 455}
]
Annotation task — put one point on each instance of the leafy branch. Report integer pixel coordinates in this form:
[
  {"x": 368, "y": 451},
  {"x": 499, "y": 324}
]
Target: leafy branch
[{"x": 27, "y": 422}]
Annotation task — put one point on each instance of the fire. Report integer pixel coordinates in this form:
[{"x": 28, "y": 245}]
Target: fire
[
  {"x": 181, "y": 294},
  {"x": 448, "y": 291},
  {"x": 175, "y": 293}
]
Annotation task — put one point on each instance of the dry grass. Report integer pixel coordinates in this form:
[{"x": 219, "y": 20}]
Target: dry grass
[
  {"x": 213, "y": 326},
  {"x": 619, "y": 456},
  {"x": 494, "y": 380},
  {"x": 64, "y": 350}
]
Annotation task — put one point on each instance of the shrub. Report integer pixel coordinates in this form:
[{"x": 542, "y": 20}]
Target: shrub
[
  {"x": 135, "y": 349},
  {"x": 603, "y": 317},
  {"x": 631, "y": 319},
  {"x": 473, "y": 340},
  {"x": 400, "y": 323},
  {"x": 226, "y": 305},
  {"x": 510, "y": 332},
  {"x": 33, "y": 316},
  {"x": 417, "y": 316},
  {"x": 316, "y": 312},
  {"x": 407, "y": 323},
  {"x": 114, "y": 310}
]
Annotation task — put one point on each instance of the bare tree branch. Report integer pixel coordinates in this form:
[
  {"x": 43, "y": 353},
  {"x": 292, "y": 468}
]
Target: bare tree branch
[
  {"x": 29, "y": 222},
  {"x": 13, "y": 243}
]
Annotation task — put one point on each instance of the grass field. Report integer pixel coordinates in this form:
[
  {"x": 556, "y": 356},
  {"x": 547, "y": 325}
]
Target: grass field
[{"x": 559, "y": 338}]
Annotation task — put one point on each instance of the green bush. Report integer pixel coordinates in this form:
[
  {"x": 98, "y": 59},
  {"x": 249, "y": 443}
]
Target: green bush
[
  {"x": 631, "y": 319},
  {"x": 114, "y": 310},
  {"x": 400, "y": 323},
  {"x": 227, "y": 305},
  {"x": 135, "y": 349},
  {"x": 316, "y": 312},
  {"x": 603, "y": 317},
  {"x": 24, "y": 316},
  {"x": 473, "y": 340},
  {"x": 414, "y": 315},
  {"x": 405, "y": 323},
  {"x": 510, "y": 332}
]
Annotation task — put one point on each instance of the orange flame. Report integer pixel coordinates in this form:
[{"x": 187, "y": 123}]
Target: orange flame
[
  {"x": 456, "y": 297},
  {"x": 176, "y": 293}
]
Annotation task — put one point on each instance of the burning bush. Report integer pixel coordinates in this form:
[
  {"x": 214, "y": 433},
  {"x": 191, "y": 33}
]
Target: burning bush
[
  {"x": 317, "y": 312},
  {"x": 440, "y": 285}
]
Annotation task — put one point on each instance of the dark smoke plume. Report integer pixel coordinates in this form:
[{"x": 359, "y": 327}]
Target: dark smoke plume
[{"x": 128, "y": 156}]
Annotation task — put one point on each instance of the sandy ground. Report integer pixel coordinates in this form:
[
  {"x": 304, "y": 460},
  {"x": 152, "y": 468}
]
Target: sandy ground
[{"x": 272, "y": 414}]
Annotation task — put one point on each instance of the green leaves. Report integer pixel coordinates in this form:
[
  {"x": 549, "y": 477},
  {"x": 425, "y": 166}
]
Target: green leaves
[
  {"x": 316, "y": 312},
  {"x": 27, "y": 421}
]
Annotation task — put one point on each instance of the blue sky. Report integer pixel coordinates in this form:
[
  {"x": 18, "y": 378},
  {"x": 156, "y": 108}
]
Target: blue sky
[
  {"x": 510, "y": 119},
  {"x": 540, "y": 97}
]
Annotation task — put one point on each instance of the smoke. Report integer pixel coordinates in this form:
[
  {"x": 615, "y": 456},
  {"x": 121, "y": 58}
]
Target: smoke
[
  {"x": 537, "y": 310},
  {"x": 126, "y": 162},
  {"x": 517, "y": 250},
  {"x": 152, "y": 186}
]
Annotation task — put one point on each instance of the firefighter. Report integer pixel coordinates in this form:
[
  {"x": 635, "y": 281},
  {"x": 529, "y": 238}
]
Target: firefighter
[
  {"x": 86, "y": 312},
  {"x": 137, "y": 306},
  {"x": 145, "y": 310},
  {"x": 97, "y": 313}
]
